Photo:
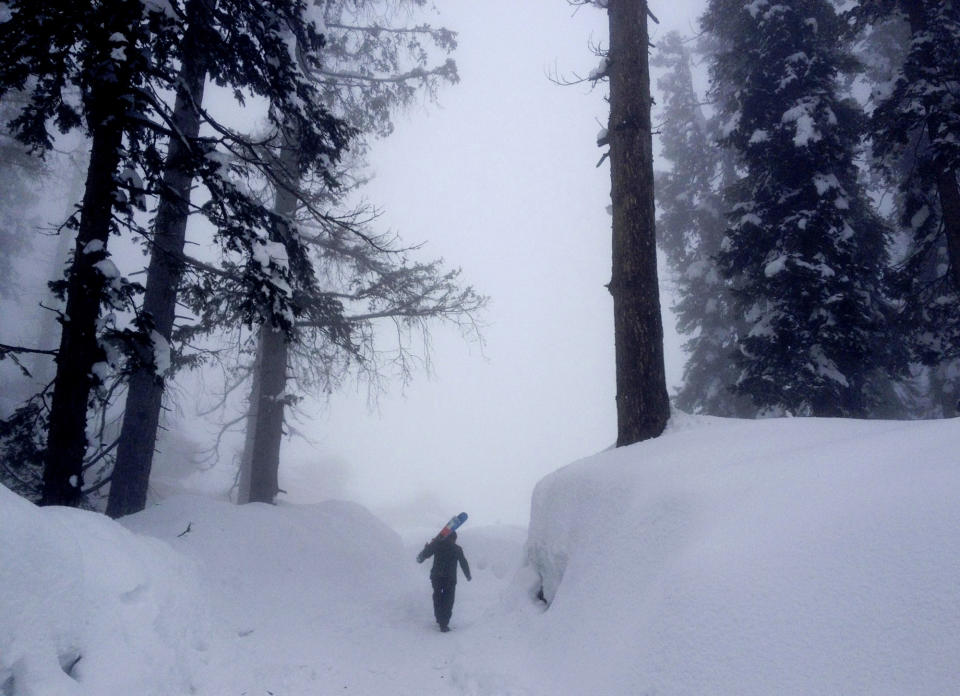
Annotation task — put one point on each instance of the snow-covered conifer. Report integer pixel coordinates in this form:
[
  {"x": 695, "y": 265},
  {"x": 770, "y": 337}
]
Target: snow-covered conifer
[
  {"x": 690, "y": 228},
  {"x": 915, "y": 133},
  {"x": 103, "y": 70},
  {"x": 803, "y": 249}
]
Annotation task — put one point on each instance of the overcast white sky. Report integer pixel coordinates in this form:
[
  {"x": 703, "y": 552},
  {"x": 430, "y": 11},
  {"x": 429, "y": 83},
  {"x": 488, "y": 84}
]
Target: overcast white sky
[{"x": 500, "y": 179}]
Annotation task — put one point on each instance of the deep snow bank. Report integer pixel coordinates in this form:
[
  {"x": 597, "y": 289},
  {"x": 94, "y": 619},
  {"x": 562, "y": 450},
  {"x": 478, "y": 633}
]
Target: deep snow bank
[
  {"x": 152, "y": 609},
  {"x": 78, "y": 592},
  {"x": 260, "y": 550},
  {"x": 792, "y": 556}
]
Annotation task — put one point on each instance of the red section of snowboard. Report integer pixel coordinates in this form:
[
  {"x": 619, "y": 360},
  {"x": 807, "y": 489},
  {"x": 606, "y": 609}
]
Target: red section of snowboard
[{"x": 454, "y": 522}]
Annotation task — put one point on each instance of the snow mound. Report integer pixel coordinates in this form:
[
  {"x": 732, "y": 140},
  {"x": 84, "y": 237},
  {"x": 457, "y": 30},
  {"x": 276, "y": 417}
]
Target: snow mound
[
  {"x": 87, "y": 607},
  {"x": 789, "y": 556},
  {"x": 340, "y": 546},
  {"x": 302, "y": 594},
  {"x": 190, "y": 596}
]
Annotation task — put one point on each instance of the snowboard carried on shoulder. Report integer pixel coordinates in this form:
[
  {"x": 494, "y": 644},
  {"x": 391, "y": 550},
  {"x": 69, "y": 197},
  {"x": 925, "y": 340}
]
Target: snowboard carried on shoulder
[{"x": 448, "y": 528}]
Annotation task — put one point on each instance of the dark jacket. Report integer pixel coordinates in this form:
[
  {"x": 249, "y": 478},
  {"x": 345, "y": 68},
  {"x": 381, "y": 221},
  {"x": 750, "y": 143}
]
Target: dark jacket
[{"x": 446, "y": 554}]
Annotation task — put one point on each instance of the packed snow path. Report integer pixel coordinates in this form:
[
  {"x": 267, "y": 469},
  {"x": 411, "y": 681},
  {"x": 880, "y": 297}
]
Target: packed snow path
[{"x": 340, "y": 606}]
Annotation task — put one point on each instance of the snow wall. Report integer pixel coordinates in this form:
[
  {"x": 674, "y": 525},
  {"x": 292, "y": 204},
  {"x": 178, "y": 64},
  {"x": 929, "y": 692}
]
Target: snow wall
[
  {"x": 788, "y": 556},
  {"x": 94, "y": 607},
  {"x": 85, "y": 601}
]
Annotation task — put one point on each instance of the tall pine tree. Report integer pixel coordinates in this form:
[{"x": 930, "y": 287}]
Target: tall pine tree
[
  {"x": 643, "y": 406},
  {"x": 915, "y": 133},
  {"x": 248, "y": 45},
  {"x": 803, "y": 249},
  {"x": 120, "y": 57},
  {"x": 690, "y": 228},
  {"x": 372, "y": 65},
  {"x": 138, "y": 435},
  {"x": 102, "y": 53}
]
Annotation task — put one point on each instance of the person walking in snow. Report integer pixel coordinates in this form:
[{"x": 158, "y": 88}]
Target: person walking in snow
[{"x": 443, "y": 575}]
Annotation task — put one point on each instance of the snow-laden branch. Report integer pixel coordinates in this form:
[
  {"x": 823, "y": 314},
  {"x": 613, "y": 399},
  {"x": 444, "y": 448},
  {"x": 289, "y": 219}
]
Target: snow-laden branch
[{"x": 414, "y": 74}]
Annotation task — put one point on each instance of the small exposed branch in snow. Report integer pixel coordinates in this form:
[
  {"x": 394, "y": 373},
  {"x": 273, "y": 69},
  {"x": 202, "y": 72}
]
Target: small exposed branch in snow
[
  {"x": 68, "y": 668},
  {"x": 4, "y": 348}
]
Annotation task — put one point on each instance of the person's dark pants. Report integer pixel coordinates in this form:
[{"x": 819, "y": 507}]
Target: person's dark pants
[{"x": 444, "y": 590}]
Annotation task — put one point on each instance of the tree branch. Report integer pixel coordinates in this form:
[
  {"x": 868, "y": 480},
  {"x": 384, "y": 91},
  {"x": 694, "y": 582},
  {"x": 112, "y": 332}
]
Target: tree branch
[{"x": 4, "y": 348}]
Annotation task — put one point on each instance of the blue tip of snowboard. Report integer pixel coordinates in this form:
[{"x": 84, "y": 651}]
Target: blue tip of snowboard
[{"x": 452, "y": 525}]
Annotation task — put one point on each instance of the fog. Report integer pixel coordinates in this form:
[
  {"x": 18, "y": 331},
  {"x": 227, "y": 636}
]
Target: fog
[{"x": 499, "y": 179}]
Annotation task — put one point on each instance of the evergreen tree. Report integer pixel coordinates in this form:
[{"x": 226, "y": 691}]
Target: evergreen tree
[
  {"x": 803, "y": 249},
  {"x": 249, "y": 46},
  {"x": 99, "y": 51},
  {"x": 372, "y": 67},
  {"x": 120, "y": 57},
  {"x": 690, "y": 229},
  {"x": 141, "y": 417},
  {"x": 915, "y": 135}
]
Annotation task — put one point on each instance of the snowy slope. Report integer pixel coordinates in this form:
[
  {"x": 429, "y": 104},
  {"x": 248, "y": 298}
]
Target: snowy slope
[
  {"x": 74, "y": 584},
  {"x": 291, "y": 600},
  {"x": 795, "y": 556}
]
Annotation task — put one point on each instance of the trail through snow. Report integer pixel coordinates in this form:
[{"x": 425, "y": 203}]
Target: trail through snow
[
  {"x": 341, "y": 606},
  {"x": 738, "y": 558}
]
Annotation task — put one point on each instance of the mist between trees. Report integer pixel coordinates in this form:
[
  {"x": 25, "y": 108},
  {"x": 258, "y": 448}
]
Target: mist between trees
[
  {"x": 259, "y": 264},
  {"x": 807, "y": 204}
]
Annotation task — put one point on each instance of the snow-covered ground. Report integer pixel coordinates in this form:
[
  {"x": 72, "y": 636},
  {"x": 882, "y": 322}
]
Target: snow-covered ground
[{"x": 795, "y": 556}]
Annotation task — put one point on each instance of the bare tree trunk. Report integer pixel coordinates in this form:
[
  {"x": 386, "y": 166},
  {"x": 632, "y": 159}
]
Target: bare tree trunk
[
  {"x": 246, "y": 458},
  {"x": 138, "y": 435},
  {"x": 79, "y": 350},
  {"x": 643, "y": 406},
  {"x": 268, "y": 427},
  {"x": 262, "y": 447}
]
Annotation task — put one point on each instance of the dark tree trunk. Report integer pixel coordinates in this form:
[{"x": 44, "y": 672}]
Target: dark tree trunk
[
  {"x": 270, "y": 382},
  {"x": 643, "y": 406},
  {"x": 79, "y": 349},
  {"x": 268, "y": 422},
  {"x": 949, "y": 194},
  {"x": 138, "y": 435},
  {"x": 246, "y": 458}
]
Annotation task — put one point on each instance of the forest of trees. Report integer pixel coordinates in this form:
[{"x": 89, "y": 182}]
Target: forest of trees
[
  {"x": 807, "y": 204},
  {"x": 258, "y": 262},
  {"x": 809, "y": 207}
]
